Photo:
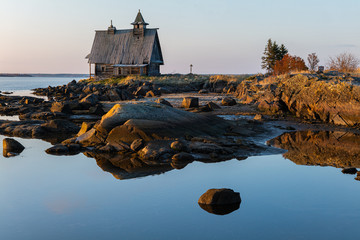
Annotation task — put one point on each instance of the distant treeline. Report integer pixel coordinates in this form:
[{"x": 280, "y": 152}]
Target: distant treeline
[{"x": 42, "y": 75}]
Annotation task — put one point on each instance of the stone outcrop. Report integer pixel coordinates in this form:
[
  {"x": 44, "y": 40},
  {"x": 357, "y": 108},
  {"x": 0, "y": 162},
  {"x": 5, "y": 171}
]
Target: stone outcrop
[{"x": 311, "y": 97}]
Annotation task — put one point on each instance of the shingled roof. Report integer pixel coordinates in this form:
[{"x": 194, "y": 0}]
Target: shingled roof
[
  {"x": 123, "y": 47},
  {"x": 139, "y": 19}
]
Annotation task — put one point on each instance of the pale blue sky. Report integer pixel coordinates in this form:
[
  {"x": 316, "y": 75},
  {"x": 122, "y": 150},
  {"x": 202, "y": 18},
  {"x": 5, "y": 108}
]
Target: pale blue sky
[{"x": 216, "y": 36}]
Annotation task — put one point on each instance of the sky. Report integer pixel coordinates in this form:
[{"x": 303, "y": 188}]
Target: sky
[{"x": 216, "y": 36}]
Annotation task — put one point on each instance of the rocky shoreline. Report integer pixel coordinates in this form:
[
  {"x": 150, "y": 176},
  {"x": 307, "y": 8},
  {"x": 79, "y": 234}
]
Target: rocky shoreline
[{"x": 140, "y": 128}]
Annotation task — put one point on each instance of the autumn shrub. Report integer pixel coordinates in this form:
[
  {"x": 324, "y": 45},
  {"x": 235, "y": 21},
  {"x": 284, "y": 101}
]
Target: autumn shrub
[{"x": 289, "y": 64}]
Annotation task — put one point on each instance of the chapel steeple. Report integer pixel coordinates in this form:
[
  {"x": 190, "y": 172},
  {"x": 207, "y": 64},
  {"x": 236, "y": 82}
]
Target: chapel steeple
[{"x": 139, "y": 25}]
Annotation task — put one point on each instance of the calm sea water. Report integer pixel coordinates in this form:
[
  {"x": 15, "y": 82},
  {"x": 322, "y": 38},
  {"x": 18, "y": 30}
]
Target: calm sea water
[
  {"x": 71, "y": 197},
  {"x": 27, "y": 83}
]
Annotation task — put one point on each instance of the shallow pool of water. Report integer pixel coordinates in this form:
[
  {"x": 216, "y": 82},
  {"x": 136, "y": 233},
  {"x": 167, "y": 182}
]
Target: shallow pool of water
[
  {"x": 71, "y": 197},
  {"x": 10, "y": 118}
]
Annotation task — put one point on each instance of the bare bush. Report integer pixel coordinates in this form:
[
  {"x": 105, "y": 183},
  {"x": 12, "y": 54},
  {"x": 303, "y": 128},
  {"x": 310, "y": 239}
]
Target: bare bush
[
  {"x": 313, "y": 61},
  {"x": 344, "y": 62}
]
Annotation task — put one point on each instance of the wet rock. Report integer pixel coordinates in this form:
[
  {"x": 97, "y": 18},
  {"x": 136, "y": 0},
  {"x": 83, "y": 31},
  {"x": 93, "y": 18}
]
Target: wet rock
[
  {"x": 207, "y": 148},
  {"x": 213, "y": 106},
  {"x": 163, "y": 101},
  {"x": 44, "y": 115},
  {"x": 141, "y": 91},
  {"x": 108, "y": 148},
  {"x": 92, "y": 137},
  {"x": 349, "y": 171},
  {"x": 12, "y": 146},
  {"x": 90, "y": 100},
  {"x": 258, "y": 117},
  {"x": 181, "y": 160},
  {"x": 58, "y": 150},
  {"x": 179, "y": 146},
  {"x": 228, "y": 101},
  {"x": 137, "y": 145},
  {"x": 190, "y": 102},
  {"x": 221, "y": 196},
  {"x": 203, "y": 91},
  {"x": 96, "y": 110},
  {"x": 62, "y": 107},
  {"x": 74, "y": 148},
  {"x": 156, "y": 150},
  {"x": 183, "y": 157},
  {"x": 113, "y": 95},
  {"x": 358, "y": 176},
  {"x": 86, "y": 126},
  {"x": 60, "y": 126}
]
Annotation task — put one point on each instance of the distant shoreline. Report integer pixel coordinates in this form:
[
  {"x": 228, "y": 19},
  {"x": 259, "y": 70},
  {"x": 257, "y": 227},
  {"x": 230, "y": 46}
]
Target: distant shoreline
[{"x": 42, "y": 75}]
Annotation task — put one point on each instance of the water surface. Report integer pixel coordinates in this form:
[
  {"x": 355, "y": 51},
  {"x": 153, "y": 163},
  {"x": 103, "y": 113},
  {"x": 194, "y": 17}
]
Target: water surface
[
  {"x": 71, "y": 197},
  {"x": 27, "y": 83},
  {"x": 52, "y": 197}
]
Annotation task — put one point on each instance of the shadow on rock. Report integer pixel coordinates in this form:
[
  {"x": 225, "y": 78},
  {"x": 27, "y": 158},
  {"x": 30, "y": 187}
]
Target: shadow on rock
[
  {"x": 220, "y": 209},
  {"x": 321, "y": 148}
]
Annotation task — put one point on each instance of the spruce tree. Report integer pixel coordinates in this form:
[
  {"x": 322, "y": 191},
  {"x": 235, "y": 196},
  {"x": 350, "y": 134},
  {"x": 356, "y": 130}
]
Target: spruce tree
[
  {"x": 282, "y": 52},
  {"x": 268, "y": 60},
  {"x": 272, "y": 54}
]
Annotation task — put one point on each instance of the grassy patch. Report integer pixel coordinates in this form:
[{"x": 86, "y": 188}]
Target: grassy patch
[{"x": 169, "y": 79}]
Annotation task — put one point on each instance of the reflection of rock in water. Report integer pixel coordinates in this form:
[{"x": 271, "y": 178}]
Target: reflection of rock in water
[
  {"x": 124, "y": 166},
  {"x": 220, "y": 209},
  {"x": 337, "y": 149}
]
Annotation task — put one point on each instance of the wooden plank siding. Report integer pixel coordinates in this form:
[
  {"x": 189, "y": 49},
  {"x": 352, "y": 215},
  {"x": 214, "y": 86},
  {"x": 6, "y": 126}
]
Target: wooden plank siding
[{"x": 128, "y": 51}]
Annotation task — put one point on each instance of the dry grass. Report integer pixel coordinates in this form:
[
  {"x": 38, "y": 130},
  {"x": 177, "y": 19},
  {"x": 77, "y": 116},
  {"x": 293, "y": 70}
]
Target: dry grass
[
  {"x": 174, "y": 79},
  {"x": 229, "y": 78},
  {"x": 169, "y": 79},
  {"x": 300, "y": 72}
]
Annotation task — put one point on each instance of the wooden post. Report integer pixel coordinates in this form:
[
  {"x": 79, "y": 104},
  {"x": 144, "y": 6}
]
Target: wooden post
[{"x": 90, "y": 70}]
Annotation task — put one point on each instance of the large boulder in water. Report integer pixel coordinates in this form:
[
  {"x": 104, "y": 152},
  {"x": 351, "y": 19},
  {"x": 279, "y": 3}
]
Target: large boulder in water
[
  {"x": 121, "y": 113},
  {"x": 220, "y": 201},
  {"x": 220, "y": 197},
  {"x": 127, "y": 122},
  {"x": 11, "y": 146}
]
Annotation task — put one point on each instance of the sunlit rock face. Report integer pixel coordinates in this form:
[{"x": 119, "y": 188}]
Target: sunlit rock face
[
  {"x": 322, "y": 148},
  {"x": 312, "y": 97}
]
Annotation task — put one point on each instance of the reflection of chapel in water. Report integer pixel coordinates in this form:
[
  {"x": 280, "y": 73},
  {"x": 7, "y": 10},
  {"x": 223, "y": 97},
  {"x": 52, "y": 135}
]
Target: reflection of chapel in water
[{"x": 125, "y": 52}]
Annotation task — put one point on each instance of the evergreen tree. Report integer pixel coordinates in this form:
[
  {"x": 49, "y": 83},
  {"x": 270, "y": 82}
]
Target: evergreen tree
[
  {"x": 282, "y": 52},
  {"x": 268, "y": 60},
  {"x": 272, "y": 53}
]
